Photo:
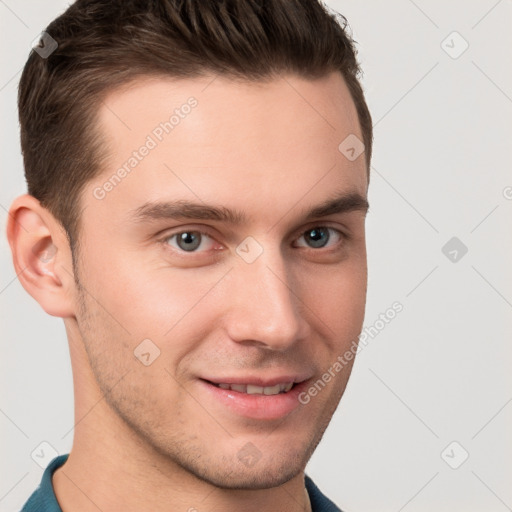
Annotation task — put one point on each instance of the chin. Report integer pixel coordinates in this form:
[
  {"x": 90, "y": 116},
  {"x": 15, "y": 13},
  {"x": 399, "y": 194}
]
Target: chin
[
  {"x": 227, "y": 471},
  {"x": 252, "y": 478}
]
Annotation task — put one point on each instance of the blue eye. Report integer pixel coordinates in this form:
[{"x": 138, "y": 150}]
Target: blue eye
[
  {"x": 320, "y": 236},
  {"x": 189, "y": 241}
]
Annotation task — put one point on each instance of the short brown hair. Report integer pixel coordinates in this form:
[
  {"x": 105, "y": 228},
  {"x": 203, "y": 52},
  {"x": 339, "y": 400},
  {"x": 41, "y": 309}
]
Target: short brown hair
[{"x": 103, "y": 44}]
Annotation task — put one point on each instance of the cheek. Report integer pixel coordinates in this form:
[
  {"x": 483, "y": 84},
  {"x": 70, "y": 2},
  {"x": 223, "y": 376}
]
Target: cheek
[
  {"x": 149, "y": 300},
  {"x": 336, "y": 296}
]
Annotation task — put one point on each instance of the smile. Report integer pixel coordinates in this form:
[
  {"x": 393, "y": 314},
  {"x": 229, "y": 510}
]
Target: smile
[
  {"x": 254, "y": 397},
  {"x": 251, "y": 389}
]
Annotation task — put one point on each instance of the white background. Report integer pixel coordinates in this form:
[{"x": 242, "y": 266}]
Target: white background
[{"x": 440, "y": 371}]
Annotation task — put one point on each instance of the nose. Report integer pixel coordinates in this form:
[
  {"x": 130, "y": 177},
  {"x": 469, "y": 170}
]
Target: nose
[{"x": 266, "y": 309}]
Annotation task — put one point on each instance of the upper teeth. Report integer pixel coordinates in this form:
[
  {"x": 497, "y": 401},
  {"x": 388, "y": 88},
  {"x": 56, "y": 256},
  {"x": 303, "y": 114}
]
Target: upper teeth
[{"x": 258, "y": 390}]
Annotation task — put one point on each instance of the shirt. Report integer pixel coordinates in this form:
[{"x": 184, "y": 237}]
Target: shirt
[{"x": 43, "y": 499}]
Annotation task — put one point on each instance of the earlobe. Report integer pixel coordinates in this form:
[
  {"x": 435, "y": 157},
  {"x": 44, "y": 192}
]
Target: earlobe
[{"x": 41, "y": 256}]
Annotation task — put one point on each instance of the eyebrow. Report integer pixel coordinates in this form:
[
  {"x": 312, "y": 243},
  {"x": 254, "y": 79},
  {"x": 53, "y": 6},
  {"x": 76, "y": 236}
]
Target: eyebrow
[{"x": 184, "y": 209}]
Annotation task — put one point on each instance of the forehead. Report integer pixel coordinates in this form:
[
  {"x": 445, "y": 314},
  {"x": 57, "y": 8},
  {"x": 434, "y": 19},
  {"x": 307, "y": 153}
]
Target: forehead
[{"x": 212, "y": 138}]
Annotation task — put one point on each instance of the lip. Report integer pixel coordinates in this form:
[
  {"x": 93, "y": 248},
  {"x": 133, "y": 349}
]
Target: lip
[{"x": 258, "y": 407}]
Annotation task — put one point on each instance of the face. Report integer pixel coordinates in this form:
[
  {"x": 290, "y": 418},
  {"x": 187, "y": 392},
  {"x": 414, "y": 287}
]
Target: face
[{"x": 225, "y": 269}]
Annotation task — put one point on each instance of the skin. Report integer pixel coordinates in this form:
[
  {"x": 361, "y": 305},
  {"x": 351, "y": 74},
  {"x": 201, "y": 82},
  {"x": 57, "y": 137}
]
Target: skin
[{"x": 149, "y": 437}]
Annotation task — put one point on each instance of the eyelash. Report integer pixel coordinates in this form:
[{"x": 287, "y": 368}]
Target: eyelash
[{"x": 342, "y": 236}]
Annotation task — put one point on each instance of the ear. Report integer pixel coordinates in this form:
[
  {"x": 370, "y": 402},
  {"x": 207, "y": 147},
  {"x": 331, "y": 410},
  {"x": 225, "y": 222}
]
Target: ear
[{"x": 41, "y": 256}]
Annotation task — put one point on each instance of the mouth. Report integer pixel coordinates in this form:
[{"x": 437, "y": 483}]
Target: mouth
[
  {"x": 253, "y": 389},
  {"x": 255, "y": 398}
]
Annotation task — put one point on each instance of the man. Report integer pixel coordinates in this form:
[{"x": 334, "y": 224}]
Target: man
[{"x": 197, "y": 189}]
